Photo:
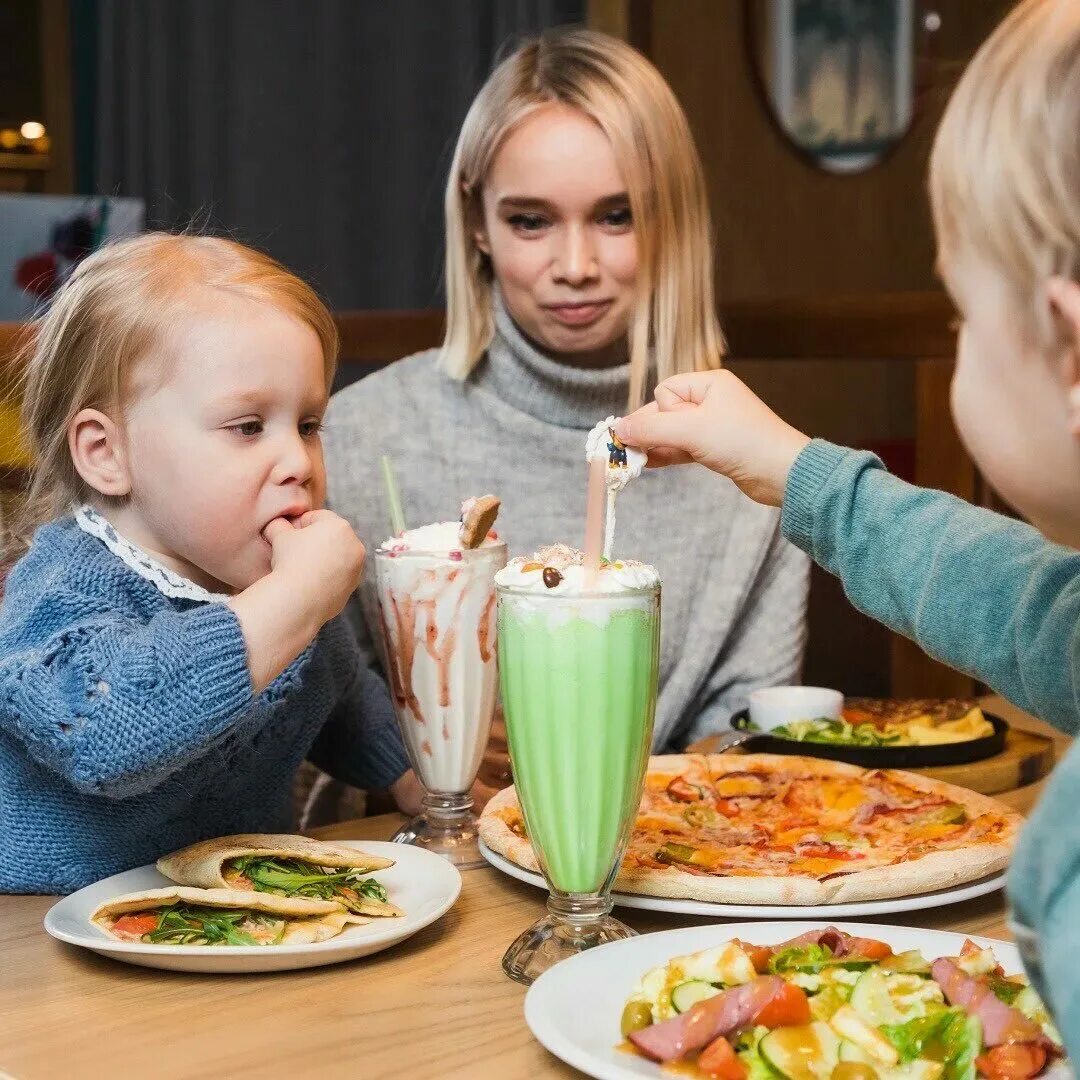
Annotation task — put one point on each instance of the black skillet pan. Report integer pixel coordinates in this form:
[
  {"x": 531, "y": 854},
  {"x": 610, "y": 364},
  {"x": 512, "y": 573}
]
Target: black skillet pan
[{"x": 881, "y": 757}]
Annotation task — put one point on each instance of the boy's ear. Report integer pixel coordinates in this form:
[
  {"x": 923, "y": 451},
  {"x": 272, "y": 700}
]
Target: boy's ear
[
  {"x": 1064, "y": 297},
  {"x": 98, "y": 454}
]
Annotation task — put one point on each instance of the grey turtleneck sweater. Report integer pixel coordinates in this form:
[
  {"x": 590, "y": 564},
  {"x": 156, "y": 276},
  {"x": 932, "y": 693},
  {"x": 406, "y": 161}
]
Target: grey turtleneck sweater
[{"x": 734, "y": 590}]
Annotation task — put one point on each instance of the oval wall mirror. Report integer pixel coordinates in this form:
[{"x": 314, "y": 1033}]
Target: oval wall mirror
[{"x": 841, "y": 78}]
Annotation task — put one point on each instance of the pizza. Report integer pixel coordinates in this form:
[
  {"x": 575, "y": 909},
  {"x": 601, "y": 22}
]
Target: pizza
[{"x": 769, "y": 829}]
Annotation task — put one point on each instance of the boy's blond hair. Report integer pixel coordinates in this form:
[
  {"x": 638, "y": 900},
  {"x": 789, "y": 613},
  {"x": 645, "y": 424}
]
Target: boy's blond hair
[
  {"x": 1005, "y": 169},
  {"x": 115, "y": 312},
  {"x": 619, "y": 89}
]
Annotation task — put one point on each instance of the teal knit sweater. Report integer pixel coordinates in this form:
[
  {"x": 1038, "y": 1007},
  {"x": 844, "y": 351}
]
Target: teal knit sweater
[
  {"x": 994, "y": 598},
  {"x": 128, "y": 726}
]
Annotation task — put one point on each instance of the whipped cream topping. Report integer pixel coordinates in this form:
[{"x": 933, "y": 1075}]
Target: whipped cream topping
[
  {"x": 560, "y": 570},
  {"x": 624, "y": 463},
  {"x": 438, "y": 538}
]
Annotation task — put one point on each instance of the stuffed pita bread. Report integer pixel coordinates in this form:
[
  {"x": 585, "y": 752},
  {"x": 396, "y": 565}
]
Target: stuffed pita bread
[
  {"x": 178, "y": 915},
  {"x": 286, "y": 866}
]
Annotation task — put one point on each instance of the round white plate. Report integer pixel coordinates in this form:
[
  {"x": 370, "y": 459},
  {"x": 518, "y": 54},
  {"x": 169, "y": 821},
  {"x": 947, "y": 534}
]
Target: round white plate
[
  {"x": 574, "y": 1008},
  {"x": 423, "y": 885},
  {"x": 771, "y": 911}
]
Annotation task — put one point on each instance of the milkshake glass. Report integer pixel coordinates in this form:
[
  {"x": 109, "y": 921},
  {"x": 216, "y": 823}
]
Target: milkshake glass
[
  {"x": 437, "y": 607},
  {"x": 578, "y": 662}
]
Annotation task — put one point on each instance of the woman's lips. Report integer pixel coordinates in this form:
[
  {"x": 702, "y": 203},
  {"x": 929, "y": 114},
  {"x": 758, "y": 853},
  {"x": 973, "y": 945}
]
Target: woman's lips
[{"x": 578, "y": 314}]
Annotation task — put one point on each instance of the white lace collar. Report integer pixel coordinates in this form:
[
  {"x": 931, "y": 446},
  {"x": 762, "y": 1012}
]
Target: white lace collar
[{"x": 166, "y": 581}]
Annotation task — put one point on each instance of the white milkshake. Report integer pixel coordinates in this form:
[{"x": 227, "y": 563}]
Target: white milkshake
[
  {"x": 437, "y": 604},
  {"x": 438, "y": 611}
]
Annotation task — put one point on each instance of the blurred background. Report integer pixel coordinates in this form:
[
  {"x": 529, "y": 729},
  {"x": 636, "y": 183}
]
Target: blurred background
[{"x": 322, "y": 130}]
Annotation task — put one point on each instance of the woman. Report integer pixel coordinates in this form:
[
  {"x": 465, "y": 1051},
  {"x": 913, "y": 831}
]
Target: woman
[{"x": 578, "y": 272}]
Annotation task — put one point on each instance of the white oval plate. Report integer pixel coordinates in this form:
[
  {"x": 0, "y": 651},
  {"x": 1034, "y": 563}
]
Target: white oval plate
[
  {"x": 574, "y": 1008},
  {"x": 771, "y": 911},
  {"x": 423, "y": 885}
]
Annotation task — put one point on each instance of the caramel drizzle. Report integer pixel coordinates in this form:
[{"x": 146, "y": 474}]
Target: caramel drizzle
[{"x": 484, "y": 636}]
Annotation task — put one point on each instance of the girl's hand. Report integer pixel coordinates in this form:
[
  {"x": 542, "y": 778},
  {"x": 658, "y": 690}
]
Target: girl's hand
[
  {"x": 320, "y": 556},
  {"x": 407, "y": 792},
  {"x": 713, "y": 418}
]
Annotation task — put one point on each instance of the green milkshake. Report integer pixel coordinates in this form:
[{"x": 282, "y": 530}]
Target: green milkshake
[{"x": 578, "y": 663}]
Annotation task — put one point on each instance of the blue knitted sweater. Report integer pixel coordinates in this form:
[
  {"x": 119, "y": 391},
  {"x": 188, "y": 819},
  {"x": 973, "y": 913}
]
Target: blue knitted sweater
[
  {"x": 991, "y": 597},
  {"x": 128, "y": 725}
]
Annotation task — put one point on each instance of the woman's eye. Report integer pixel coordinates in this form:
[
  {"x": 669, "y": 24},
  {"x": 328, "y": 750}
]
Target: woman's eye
[
  {"x": 310, "y": 428},
  {"x": 248, "y": 429},
  {"x": 618, "y": 219},
  {"x": 527, "y": 222}
]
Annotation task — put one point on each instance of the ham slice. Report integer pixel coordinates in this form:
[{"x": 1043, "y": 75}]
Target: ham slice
[
  {"x": 839, "y": 943},
  {"x": 728, "y": 1011},
  {"x": 1001, "y": 1023}
]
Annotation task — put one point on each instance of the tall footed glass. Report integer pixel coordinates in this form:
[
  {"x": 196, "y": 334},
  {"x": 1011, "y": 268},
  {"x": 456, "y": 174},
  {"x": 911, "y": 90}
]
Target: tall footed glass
[
  {"x": 578, "y": 674},
  {"x": 438, "y": 621}
]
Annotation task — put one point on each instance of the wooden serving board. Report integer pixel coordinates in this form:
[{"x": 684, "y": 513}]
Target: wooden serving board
[{"x": 1027, "y": 757}]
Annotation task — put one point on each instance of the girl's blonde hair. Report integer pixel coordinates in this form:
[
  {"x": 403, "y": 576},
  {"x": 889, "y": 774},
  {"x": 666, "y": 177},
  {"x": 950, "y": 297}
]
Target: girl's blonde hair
[
  {"x": 117, "y": 310},
  {"x": 675, "y": 322},
  {"x": 1005, "y": 169}
]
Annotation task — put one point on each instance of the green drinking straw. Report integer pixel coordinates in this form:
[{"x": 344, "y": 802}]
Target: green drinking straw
[{"x": 397, "y": 518}]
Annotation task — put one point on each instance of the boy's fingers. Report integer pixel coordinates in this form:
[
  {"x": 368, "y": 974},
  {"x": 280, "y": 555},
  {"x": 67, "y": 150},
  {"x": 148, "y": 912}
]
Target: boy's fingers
[
  {"x": 649, "y": 427},
  {"x": 661, "y": 456}
]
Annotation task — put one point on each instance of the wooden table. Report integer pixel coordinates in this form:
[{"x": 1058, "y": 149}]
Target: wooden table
[{"x": 438, "y": 1005}]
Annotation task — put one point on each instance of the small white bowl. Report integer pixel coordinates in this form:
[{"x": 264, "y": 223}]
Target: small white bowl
[{"x": 777, "y": 705}]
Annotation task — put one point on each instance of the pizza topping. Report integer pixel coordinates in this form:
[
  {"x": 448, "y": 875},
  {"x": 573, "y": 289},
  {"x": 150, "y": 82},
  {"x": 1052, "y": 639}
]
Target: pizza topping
[{"x": 683, "y": 791}]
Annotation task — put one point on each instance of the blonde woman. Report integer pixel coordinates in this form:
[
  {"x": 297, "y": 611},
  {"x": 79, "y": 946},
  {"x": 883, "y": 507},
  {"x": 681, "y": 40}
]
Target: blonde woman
[
  {"x": 578, "y": 271},
  {"x": 169, "y": 647}
]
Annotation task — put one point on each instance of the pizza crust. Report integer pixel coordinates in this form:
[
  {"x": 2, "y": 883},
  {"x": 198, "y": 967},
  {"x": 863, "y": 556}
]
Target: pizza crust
[{"x": 915, "y": 877}]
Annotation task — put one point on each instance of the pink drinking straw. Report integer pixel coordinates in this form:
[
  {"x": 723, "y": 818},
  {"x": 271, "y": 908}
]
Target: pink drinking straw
[{"x": 594, "y": 521}]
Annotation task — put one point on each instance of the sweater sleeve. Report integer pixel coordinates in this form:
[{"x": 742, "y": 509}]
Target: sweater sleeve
[
  {"x": 979, "y": 591},
  {"x": 361, "y": 743},
  {"x": 766, "y": 645},
  {"x": 115, "y": 706}
]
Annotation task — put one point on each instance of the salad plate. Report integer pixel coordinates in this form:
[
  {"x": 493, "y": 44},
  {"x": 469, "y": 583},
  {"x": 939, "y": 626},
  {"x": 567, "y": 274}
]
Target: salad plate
[{"x": 578, "y": 1009}]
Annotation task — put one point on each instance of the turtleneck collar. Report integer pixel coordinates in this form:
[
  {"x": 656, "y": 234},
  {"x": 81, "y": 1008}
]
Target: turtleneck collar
[{"x": 561, "y": 394}]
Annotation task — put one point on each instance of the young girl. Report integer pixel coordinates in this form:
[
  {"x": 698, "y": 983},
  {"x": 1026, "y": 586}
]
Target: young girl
[
  {"x": 168, "y": 647},
  {"x": 986, "y": 594},
  {"x": 579, "y": 267}
]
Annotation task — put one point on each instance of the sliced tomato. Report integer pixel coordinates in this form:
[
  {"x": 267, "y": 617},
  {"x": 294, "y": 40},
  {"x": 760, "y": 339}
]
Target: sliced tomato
[
  {"x": 760, "y": 955},
  {"x": 136, "y": 925},
  {"x": 718, "y": 1059},
  {"x": 789, "y": 1007},
  {"x": 1012, "y": 1061},
  {"x": 869, "y": 949}
]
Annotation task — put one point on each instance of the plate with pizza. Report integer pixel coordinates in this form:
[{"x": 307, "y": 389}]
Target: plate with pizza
[{"x": 720, "y": 831}]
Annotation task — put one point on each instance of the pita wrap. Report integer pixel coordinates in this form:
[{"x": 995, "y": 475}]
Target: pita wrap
[
  {"x": 204, "y": 865},
  {"x": 305, "y": 920}
]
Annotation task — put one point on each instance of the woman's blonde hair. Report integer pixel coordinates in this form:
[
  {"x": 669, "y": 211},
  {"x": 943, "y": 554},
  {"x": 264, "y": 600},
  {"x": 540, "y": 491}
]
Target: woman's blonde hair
[
  {"x": 1005, "y": 168},
  {"x": 117, "y": 310},
  {"x": 675, "y": 324}
]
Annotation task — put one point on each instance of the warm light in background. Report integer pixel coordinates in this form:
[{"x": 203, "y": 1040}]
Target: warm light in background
[
  {"x": 32, "y": 130},
  {"x": 9, "y": 139}
]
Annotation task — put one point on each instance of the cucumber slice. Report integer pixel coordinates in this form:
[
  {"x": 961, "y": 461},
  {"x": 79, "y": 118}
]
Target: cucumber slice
[
  {"x": 805, "y": 1052},
  {"x": 850, "y": 1051},
  {"x": 870, "y": 999},
  {"x": 687, "y": 994},
  {"x": 907, "y": 963}
]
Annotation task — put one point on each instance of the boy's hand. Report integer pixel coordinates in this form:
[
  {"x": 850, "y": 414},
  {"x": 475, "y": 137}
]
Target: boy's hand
[
  {"x": 713, "y": 418},
  {"x": 321, "y": 557}
]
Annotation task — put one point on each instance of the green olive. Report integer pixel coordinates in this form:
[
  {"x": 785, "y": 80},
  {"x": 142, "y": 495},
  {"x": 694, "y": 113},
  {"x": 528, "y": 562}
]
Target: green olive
[
  {"x": 638, "y": 1015},
  {"x": 853, "y": 1070}
]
